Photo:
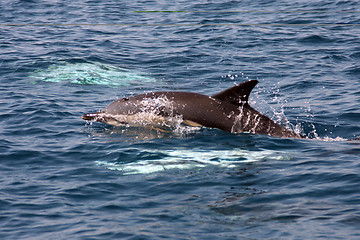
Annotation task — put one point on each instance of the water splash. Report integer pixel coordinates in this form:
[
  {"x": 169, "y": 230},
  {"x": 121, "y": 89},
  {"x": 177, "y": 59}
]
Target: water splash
[
  {"x": 91, "y": 73},
  {"x": 191, "y": 159},
  {"x": 329, "y": 139}
]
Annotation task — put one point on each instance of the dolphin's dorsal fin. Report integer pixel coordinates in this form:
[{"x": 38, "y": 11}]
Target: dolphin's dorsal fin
[{"x": 238, "y": 94}]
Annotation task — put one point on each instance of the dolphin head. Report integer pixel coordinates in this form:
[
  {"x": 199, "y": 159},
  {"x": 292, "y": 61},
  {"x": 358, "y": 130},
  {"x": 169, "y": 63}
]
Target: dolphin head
[{"x": 140, "y": 110}]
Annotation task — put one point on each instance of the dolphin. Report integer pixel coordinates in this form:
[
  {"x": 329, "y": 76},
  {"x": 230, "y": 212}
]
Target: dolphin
[{"x": 228, "y": 110}]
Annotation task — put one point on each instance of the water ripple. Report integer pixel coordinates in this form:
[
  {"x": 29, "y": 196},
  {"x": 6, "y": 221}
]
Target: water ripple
[{"x": 62, "y": 178}]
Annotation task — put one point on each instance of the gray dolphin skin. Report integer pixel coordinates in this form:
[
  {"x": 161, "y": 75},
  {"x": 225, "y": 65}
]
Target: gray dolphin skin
[{"x": 228, "y": 110}]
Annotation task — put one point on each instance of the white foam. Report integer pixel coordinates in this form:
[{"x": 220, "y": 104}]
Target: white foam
[
  {"x": 191, "y": 159},
  {"x": 329, "y": 139}
]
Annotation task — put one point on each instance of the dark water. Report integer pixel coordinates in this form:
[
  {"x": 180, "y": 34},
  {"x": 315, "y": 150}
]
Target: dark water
[{"x": 61, "y": 178}]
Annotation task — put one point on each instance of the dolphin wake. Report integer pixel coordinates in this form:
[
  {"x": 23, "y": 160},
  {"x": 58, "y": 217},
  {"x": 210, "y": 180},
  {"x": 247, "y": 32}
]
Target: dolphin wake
[
  {"x": 183, "y": 159},
  {"x": 92, "y": 73}
]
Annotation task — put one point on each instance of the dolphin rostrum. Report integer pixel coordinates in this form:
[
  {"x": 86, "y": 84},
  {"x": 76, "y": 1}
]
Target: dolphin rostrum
[{"x": 228, "y": 110}]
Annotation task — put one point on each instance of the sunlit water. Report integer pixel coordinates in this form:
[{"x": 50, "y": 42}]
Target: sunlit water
[{"x": 63, "y": 178}]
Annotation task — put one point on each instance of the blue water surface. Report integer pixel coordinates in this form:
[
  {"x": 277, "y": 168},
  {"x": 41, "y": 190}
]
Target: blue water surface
[{"x": 63, "y": 178}]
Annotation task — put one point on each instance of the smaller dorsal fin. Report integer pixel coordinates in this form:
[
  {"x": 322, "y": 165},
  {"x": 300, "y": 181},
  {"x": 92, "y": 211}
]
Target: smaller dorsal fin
[{"x": 238, "y": 94}]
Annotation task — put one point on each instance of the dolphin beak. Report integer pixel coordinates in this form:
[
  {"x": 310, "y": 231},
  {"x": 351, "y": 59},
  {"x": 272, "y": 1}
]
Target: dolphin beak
[{"x": 90, "y": 116}]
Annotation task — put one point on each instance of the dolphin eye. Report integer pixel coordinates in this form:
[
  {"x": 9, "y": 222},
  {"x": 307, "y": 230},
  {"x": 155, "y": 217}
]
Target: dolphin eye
[{"x": 125, "y": 99}]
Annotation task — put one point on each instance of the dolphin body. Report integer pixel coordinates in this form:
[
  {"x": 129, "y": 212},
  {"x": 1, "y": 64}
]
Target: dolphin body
[{"x": 228, "y": 110}]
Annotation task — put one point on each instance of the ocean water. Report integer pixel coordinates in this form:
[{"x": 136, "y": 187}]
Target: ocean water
[{"x": 63, "y": 178}]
